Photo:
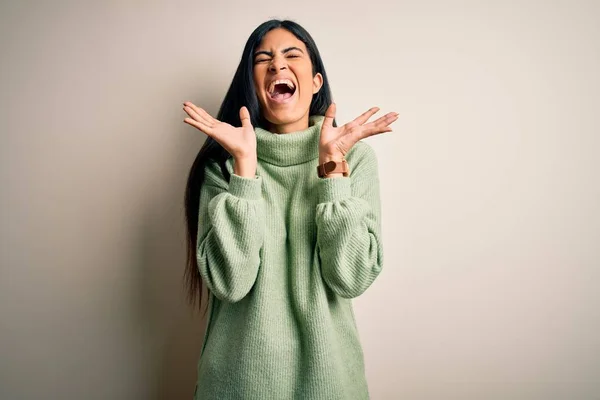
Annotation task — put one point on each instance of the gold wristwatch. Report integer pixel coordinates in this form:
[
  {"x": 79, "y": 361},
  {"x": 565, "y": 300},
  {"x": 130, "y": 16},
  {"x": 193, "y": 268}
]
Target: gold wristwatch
[{"x": 333, "y": 166}]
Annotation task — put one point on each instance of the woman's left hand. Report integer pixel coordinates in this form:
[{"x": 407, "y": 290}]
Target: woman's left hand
[{"x": 336, "y": 142}]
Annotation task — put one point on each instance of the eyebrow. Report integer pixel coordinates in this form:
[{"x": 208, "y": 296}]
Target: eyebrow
[{"x": 270, "y": 53}]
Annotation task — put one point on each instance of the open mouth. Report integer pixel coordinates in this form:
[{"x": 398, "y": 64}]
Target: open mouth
[{"x": 281, "y": 90}]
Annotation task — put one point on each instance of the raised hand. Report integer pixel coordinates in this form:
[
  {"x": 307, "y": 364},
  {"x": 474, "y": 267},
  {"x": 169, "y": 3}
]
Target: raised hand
[
  {"x": 239, "y": 142},
  {"x": 336, "y": 142}
]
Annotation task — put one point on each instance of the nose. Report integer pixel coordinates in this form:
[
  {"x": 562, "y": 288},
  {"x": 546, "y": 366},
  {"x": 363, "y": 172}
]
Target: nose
[{"x": 277, "y": 64}]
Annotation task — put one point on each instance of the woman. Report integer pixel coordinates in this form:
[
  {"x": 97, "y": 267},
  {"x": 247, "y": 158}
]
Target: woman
[{"x": 281, "y": 246}]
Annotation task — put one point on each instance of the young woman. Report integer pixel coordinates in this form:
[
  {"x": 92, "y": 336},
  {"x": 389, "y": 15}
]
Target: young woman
[{"x": 284, "y": 228}]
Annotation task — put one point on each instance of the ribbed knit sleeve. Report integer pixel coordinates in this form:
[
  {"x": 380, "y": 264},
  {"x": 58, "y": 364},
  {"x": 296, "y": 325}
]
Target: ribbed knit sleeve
[
  {"x": 230, "y": 235},
  {"x": 348, "y": 219}
]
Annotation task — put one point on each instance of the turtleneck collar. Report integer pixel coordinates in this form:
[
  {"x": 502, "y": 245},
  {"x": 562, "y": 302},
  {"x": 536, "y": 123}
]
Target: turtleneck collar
[{"x": 290, "y": 148}]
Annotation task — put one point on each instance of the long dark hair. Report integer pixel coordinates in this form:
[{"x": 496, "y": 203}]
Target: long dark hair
[{"x": 241, "y": 93}]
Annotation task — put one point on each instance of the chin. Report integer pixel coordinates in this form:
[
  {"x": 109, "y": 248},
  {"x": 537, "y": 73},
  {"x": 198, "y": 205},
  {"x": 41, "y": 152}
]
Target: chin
[
  {"x": 286, "y": 115},
  {"x": 283, "y": 117}
]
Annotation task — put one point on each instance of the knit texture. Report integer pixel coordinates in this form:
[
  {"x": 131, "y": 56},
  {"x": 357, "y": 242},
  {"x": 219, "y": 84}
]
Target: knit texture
[{"x": 282, "y": 254}]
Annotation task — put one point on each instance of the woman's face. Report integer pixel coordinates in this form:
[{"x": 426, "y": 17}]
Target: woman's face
[{"x": 284, "y": 81}]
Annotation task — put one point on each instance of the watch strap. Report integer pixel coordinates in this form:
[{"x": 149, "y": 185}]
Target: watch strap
[{"x": 332, "y": 167}]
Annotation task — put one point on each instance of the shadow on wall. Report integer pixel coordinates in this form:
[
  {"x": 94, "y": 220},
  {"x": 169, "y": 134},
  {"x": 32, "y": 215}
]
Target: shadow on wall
[{"x": 176, "y": 329}]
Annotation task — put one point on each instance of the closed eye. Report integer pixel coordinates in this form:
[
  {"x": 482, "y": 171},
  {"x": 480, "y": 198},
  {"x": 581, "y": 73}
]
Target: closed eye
[{"x": 268, "y": 59}]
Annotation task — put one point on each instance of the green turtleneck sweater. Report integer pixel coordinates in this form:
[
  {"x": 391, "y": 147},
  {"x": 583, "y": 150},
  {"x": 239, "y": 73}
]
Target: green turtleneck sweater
[{"x": 282, "y": 254}]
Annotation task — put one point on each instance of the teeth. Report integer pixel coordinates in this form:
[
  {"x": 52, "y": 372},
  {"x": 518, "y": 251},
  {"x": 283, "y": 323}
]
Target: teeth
[{"x": 283, "y": 81}]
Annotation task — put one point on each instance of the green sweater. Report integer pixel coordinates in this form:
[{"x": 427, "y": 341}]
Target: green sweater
[{"x": 282, "y": 254}]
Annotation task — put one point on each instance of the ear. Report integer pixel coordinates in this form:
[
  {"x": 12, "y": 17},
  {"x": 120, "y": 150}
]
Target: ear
[{"x": 317, "y": 82}]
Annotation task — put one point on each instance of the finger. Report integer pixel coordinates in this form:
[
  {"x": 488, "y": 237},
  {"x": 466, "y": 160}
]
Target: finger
[
  {"x": 199, "y": 125},
  {"x": 329, "y": 116},
  {"x": 200, "y": 111},
  {"x": 384, "y": 120},
  {"x": 192, "y": 113},
  {"x": 373, "y": 128},
  {"x": 245, "y": 117},
  {"x": 379, "y": 126},
  {"x": 199, "y": 114},
  {"x": 364, "y": 117}
]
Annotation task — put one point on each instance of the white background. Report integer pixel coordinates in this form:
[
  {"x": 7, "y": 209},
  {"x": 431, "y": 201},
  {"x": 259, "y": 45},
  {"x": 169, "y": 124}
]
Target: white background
[{"x": 490, "y": 190}]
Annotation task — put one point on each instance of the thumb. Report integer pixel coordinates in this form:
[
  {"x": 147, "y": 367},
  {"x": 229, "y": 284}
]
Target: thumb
[
  {"x": 245, "y": 117},
  {"x": 329, "y": 115}
]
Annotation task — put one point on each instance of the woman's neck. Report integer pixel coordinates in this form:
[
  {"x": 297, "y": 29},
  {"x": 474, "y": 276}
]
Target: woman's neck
[
  {"x": 295, "y": 126},
  {"x": 292, "y": 148}
]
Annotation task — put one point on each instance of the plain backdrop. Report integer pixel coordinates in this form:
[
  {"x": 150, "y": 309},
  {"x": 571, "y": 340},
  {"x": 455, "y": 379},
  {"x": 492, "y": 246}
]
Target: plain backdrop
[{"x": 490, "y": 190}]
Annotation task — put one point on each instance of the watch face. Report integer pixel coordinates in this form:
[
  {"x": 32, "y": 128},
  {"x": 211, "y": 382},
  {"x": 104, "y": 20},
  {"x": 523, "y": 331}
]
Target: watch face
[{"x": 329, "y": 166}]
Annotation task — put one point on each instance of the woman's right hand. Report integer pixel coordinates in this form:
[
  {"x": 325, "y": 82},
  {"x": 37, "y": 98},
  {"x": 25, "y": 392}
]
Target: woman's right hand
[{"x": 239, "y": 142}]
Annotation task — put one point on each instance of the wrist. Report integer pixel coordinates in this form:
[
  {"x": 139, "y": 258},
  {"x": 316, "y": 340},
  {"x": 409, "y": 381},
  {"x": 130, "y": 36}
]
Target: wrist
[
  {"x": 245, "y": 166},
  {"x": 332, "y": 168},
  {"x": 323, "y": 158}
]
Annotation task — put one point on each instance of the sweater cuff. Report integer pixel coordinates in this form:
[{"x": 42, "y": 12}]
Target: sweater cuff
[
  {"x": 246, "y": 188},
  {"x": 333, "y": 189}
]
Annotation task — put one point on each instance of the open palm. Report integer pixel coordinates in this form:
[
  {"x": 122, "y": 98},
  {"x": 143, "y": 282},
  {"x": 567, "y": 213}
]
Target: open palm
[
  {"x": 336, "y": 142},
  {"x": 239, "y": 142}
]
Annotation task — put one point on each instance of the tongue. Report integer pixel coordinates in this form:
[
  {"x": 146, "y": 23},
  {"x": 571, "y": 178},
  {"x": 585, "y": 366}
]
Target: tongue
[{"x": 282, "y": 96}]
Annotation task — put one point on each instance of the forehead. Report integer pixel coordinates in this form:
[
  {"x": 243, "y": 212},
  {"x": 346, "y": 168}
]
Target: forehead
[{"x": 278, "y": 39}]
